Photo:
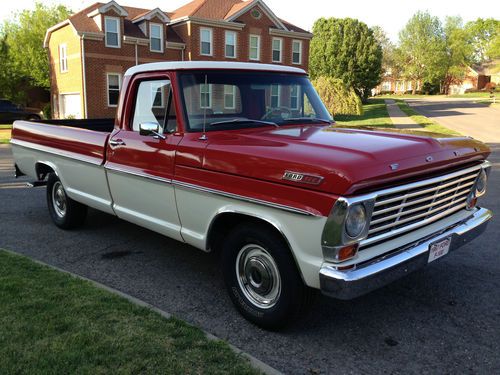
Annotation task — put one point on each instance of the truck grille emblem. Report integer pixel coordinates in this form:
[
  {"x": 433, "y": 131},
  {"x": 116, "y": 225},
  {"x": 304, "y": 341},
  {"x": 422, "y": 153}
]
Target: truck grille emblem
[{"x": 302, "y": 178}]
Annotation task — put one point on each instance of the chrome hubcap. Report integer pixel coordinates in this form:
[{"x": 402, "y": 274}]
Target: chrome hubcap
[
  {"x": 258, "y": 276},
  {"x": 59, "y": 199}
]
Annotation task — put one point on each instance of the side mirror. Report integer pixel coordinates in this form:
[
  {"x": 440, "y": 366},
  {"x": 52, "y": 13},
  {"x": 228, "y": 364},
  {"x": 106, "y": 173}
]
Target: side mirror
[
  {"x": 151, "y": 128},
  {"x": 148, "y": 128}
]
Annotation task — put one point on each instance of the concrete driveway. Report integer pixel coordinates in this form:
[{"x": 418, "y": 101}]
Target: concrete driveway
[
  {"x": 463, "y": 115},
  {"x": 442, "y": 319}
]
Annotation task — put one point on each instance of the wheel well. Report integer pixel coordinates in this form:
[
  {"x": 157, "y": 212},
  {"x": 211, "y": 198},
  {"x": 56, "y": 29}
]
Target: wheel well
[
  {"x": 224, "y": 223},
  {"x": 42, "y": 170}
]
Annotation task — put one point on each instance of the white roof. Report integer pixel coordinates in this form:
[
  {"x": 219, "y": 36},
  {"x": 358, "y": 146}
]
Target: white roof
[{"x": 184, "y": 65}]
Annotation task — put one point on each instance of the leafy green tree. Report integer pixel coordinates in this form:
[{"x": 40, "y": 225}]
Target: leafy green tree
[
  {"x": 346, "y": 49},
  {"x": 459, "y": 52},
  {"x": 485, "y": 36},
  {"x": 23, "y": 37},
  {"x": 422, "y": 49},
  {"x": 338, "y": 98}
]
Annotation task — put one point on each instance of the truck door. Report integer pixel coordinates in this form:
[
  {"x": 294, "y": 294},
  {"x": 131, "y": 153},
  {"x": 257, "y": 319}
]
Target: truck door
[{"x": 140, "y": 167}]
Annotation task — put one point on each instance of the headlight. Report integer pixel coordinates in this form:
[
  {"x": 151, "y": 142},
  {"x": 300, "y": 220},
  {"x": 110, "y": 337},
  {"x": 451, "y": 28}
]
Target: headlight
[
  {"x": 481, "y": 182},
  {"x": 356, "y": 220}
]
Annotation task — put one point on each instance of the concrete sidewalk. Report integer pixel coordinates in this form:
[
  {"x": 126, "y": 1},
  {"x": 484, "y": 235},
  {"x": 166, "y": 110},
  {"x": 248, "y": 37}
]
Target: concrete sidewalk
[{"x": 400, "y": 119}]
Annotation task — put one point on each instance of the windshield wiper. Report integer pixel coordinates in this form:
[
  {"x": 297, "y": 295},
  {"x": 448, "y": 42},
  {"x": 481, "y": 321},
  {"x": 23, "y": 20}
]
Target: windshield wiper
[
  {"x": 309, "y": 119},
  {"x": 243, "y": 121}
]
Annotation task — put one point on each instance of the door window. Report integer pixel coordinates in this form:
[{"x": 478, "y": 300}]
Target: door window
[{"x": 153, "y": 103}]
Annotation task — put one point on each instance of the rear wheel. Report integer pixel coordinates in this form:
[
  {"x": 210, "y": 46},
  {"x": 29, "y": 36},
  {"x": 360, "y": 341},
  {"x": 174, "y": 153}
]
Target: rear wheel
[
  {"x": 262, "y": 278},
  {"x": 65, "y": 212}
]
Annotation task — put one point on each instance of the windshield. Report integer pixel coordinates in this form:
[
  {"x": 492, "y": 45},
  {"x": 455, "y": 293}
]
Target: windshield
[{"x": 235, "y": 99}]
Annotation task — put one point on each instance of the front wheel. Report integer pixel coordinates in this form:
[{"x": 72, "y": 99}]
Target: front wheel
[
  {"x": 65, "y": 212},
  {"x": 262, "y": 278}
]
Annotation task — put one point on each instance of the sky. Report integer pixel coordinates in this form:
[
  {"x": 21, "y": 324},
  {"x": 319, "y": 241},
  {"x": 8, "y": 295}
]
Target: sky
[{"x": 391, "y": 15}]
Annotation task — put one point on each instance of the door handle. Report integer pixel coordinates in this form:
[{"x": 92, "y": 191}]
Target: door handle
[{"x": 116, "y": 142}]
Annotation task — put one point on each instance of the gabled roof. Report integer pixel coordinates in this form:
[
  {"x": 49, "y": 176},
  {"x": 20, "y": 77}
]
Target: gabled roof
[{"x": 148, "y": 15}]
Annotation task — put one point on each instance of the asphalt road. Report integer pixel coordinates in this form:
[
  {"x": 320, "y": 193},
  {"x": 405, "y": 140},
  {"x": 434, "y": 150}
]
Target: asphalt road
[
  {"x": 443, "y": 319},
  {"x": 462, "y": 115}
]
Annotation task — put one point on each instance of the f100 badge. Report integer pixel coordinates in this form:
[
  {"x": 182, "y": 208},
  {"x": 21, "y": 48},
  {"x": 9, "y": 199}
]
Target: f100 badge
[{"x": 302, "y": 178}]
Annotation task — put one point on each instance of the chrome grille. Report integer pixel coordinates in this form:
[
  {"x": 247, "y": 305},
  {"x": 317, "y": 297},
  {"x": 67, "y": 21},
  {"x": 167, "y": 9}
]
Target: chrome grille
[{"x": 415, "y": 205}]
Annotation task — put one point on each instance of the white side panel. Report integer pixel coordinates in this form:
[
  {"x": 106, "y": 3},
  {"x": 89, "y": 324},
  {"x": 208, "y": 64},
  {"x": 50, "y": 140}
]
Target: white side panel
[
  {"x": 84, "y": 182},
  {"x": 145, "y": 202},
  {"x": 197, "y": 209}
]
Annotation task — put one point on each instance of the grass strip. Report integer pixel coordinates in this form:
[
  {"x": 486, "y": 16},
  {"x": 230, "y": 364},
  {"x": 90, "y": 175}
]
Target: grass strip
[
  {"x": 5, "y": 126},
  {"x": 51, "y": 322},
  {"x": 428, "y": 124},
  {"x": 374, "y": 114}
]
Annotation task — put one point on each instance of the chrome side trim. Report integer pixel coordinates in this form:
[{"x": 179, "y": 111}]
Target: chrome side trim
[
  {"x": 242, "y": 198},
  {"x": 57, "y": 152},
  {"x": 138, "y": 174}
]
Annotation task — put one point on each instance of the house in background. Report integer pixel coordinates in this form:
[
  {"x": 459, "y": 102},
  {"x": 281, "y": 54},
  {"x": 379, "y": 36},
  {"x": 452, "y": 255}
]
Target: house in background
[
  {"x": 478, "y": 76},
  {"x": 392, "y": 83},
  {"x": 90, "y": 51}
]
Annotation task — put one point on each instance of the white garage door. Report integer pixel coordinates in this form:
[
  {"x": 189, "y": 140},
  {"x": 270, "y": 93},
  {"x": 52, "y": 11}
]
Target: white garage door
[{"x": 70, "y": 106}]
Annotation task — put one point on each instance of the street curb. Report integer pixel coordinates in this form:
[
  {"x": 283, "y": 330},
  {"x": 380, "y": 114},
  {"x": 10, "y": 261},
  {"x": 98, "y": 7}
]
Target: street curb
[{"x": 254, "y": 362}]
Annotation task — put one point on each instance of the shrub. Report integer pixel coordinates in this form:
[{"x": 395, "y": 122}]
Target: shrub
[
  {"x": 490, "y": 86},
  {"x": 338, "y": 98}
]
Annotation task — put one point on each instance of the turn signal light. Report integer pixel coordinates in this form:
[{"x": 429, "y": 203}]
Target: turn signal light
[{"x": 348, "y": 252}]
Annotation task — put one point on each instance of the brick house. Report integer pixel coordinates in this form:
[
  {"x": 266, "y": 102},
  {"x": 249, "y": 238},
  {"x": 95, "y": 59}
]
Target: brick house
[
  {"x": 90, "y": 51},
  {"x": 394, "y": 84}
]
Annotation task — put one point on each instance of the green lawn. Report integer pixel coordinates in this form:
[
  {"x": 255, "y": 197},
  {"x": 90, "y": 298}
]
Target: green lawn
[
  {"x": 53, "y": 323},
  {"x": 375, "y": 114},
  {"x": 4, "y": 135},
  {"x": 474, "y": 95},
  {"x": 427, "y": 123},
  {"x": 6, "y": 126}
]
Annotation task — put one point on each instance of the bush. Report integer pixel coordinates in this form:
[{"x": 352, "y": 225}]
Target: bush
[
  {"x": 490, "y": 86},
  {"x": 47, "y": 112},
  {"x": 338, "y": 98}
]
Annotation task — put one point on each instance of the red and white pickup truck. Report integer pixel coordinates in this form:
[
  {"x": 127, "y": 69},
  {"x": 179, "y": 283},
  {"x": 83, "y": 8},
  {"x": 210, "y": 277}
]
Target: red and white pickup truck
[{"x": 244, "y": 159}]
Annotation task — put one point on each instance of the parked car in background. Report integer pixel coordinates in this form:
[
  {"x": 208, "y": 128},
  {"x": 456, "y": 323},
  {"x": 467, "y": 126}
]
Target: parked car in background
[{"x": 10, "y": 112}]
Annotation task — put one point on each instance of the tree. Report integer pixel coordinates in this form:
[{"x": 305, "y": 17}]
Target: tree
[
  {"x": 485, "y": 36},
  {"x": 346, "y": 49},
  {"x": 422, "y": 49},
  {"x": 23, "y": 37},
  {"x": 459, "y": 52},
  {"x": 338, "y": 98}
]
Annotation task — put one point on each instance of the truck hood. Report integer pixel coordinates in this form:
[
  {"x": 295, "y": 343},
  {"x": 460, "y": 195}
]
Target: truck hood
[{"x": 349, "y": 160}]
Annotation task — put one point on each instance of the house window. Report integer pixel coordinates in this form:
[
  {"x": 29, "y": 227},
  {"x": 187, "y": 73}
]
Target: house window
[
  {"x": 156, "y": 37},
  {"x": 114, "y": 84},
  {"x": 297, "y": 52},
  {"x": 277, "y": 44},
  {"x": 112, "y": 32},
  {"x": 230, "y": 44},
  {"x": 157, "y": 94},
  {"x": 254, "y": 53},
  {"x": 275, "y": 96},
  {"x": 63, "y": 58},
  {"x": 294, "y": 97},
  {"x": 206, "y": 41},
  {"x": 206, "y": 96},
  {"x": 229, "y": 97},
  {"x": 386, "y": 86}
]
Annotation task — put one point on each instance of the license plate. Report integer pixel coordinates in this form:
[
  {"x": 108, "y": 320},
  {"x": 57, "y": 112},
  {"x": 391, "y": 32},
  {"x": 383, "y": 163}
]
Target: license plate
[{"x": 439, "y": 249}]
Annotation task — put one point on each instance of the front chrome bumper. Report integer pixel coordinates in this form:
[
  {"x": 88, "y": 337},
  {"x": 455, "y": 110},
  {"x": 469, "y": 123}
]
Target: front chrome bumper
[{"x": 351, "y": 283}]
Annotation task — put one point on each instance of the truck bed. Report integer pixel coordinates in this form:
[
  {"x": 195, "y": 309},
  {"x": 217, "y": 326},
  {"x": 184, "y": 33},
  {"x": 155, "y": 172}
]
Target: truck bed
[{"x": 75, "y": 138}]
